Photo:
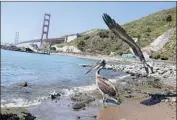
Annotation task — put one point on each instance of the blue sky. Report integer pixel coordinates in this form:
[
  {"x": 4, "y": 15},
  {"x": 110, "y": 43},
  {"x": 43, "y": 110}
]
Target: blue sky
[{"x": 68, "y": 17}]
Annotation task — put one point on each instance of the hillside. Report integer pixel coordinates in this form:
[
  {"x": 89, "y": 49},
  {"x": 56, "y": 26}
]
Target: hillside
[{"x": 146, "y": 29}]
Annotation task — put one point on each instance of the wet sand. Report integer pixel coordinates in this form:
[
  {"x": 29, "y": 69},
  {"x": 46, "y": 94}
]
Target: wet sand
[
  {"x": 136, "y": 111},
  {"x": 128, "y": 110},
  {"x": 62, "y": 110}
]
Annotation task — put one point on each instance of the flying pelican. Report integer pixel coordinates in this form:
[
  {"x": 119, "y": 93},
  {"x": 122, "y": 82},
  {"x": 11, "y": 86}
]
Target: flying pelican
[
  {"x": 121, "y": 33},
  {"x": 146, "y": 55},
  {"x": 106, "y": 87}
]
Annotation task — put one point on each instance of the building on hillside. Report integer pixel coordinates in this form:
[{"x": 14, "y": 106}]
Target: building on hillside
[{"x": 69, "y": 38}]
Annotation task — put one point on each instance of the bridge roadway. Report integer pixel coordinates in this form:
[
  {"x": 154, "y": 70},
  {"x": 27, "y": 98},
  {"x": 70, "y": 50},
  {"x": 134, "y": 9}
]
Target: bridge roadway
[{"x": 51, "y": 40}]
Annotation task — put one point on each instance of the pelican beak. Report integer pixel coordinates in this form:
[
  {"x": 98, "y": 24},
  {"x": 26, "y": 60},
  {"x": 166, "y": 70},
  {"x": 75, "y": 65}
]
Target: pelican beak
[{"x": 94, "y": 67}]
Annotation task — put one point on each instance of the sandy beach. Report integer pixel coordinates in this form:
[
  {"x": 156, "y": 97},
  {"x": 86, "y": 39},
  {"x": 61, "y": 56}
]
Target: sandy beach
[{"x": 136, "y": 111}]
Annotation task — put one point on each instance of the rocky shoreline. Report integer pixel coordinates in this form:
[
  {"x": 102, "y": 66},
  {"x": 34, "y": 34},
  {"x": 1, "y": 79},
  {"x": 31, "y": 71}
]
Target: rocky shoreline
[
  {"x": 161, "y": 71},
  {"x": 14, "y": 48},
  {"x": 135, "y": 90},
  {"x": 156, "y": 89},
  {"x": 147, "y": 91},
  {"x": 18, "y": 113}
]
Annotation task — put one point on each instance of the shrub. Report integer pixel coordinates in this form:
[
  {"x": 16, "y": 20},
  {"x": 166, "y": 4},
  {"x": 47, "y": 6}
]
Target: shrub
[
  {"x": 155, "y": 55},
  {"x": 103, "y": 34},
  {"x": 148, "y": 29},
  {"x": 86, "y": 37},
  {"x": 163, "y": 57},
  {"x": 169, "y": 18},
  {"x": 80, "y": 45}
]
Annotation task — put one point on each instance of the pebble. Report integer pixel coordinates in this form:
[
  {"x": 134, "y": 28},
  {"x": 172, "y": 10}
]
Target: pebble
[
  {"x": 78, "y": 106},
  {"x": 94, "y": 116},
  {"x": 172, "y": 99},
  {"x": 166, "y": 100},
  {"x": 78, "y": 117},
  {"x": 129, "y": 96}
]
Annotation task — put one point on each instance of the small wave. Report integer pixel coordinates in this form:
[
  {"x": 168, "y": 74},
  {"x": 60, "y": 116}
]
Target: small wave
[
  {"x": 65, "y": 93},
  {"x": 122, "y": 77},
  {"x": 19, "y": 103},
  {"x": 69, "y": 92},
  {"x": 88, "y": 88}
]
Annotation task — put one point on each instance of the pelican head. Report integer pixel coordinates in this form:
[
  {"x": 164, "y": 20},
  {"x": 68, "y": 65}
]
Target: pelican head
[{"x": 101, "y": 63}]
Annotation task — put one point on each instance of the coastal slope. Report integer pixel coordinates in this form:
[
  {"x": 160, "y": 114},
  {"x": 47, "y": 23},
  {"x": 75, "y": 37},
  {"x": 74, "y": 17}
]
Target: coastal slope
[{"x": 146, "y": 30}]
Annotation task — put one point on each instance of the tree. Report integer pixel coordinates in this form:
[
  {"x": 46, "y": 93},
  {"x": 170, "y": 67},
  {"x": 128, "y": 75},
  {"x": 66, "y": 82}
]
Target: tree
[{"x": 80, "y": 45}]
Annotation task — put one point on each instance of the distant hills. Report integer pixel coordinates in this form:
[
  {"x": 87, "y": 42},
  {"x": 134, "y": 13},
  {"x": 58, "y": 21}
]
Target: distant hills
[{"x": 146, "y": 29}]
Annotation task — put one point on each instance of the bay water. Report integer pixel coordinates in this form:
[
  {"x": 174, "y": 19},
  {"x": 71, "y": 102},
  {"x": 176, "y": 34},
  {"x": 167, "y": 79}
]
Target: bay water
[{"x": 45, "y": 74}]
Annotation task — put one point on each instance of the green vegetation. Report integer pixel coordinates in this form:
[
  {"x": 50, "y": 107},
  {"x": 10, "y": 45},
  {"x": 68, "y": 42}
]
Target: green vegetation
[
  {"x": 149, "y": 28},
  {"x": 146, "y": 29}
]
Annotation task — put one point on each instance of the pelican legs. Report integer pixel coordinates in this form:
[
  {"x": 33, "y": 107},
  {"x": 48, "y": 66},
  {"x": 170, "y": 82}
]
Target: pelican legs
[
  {"x": 147, "y": 70},
  {"x": 148, "y": 66},
  {"x": 103, "y": 98}
]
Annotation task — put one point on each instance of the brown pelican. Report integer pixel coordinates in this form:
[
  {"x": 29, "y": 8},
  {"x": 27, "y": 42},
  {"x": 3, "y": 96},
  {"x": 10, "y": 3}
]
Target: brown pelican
[
  {"x": 106, "y": 87},
  {"x": 121, "y": 33}
]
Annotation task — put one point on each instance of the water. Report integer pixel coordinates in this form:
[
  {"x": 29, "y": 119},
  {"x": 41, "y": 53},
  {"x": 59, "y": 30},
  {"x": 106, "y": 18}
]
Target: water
[{"x": 44, "y": 74}]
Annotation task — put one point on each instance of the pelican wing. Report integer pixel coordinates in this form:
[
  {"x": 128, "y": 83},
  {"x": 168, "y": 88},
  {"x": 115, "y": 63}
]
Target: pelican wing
[
  {"x": 106, "y": 86},
  {"x": 121, "y": 33}
]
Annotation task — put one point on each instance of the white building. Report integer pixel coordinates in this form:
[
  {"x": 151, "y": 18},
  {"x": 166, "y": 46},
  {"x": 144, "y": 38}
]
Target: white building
[{"x": 71, "y": 37}]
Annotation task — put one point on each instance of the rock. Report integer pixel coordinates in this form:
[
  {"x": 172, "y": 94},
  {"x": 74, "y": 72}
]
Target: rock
[
  {"x": 161, "y": 71},
  {"x": 85, "y": 65},
  {"x": 94, "y": 116},
  {"x": 22, "y": 84},
  {"x": 78, "y": 117},
  {"x": 167, "y": 74},
  {"x": 129, "y": 91},
  {"x": 54, "y": 95},
  {"x": 82, "y": 97},
  {"x": 172, "y": 99},
  {"x": 10, "y": 47},
  {"x": 145, "y": 92},
  {"x": 166, "y": 100},
  {"x": 132, "y": 74},
  {"x": 17, "y": 113},
  {"x": 128, "y": 96},
  {"x": 78, "y": 106}
]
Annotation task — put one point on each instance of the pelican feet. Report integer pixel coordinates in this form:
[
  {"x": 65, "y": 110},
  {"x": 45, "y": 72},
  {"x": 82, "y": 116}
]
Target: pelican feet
[
  {"x": 104, "y": 101},
  {"x": 151, "y": 70},
  {"x": 112, "y": 101},
  {"x": 119, "y": 101}
]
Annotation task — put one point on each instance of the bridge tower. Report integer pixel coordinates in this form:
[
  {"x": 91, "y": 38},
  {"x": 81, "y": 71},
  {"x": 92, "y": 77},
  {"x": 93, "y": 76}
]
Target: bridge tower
[
  {"x": 16, "y": 37},
  {"x": 45, "y": 27}
]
